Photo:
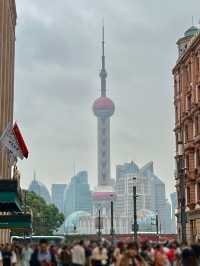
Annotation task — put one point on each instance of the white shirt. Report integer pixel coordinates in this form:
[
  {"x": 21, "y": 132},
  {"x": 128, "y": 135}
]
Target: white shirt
[
  {"x": 26, "y": 256},
  {"x": 78, "y": 255},
  {"x": 14, "y": 257}
]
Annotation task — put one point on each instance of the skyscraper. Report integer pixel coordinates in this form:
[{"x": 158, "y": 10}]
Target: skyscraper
[
  {"x": 40, "y": 189},
  {"x": 77, "y": 195},
  {"x": 57, "y": 193},
  {"x": 151, "y": 191},
  {"x": 173, "y": 197},
  {"x": 103, "y": 108}
]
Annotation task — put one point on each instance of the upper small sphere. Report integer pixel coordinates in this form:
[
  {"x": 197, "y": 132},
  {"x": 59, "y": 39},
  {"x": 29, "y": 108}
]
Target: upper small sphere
[{"x": 103, "y": 107}]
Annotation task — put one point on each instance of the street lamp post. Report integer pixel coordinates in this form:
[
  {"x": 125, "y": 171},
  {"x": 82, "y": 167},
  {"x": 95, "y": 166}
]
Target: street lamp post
[
  {"x": 99, "y": 223},
  {"x": 135, "y": 225},
  {"x": 111, "y": 221},
  {"x": 157, "y": 226},
  {"x": 181, "y": 175}
]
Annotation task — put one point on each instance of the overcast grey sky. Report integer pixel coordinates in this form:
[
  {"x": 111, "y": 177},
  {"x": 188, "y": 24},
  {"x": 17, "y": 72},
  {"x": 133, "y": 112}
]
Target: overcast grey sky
[{"x": 58, "y": 53}]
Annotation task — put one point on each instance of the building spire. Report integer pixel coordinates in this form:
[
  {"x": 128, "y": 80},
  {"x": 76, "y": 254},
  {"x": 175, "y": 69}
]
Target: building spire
[
  {"x": 34, "y": 175},
  {"x": 103, "y": 73}
]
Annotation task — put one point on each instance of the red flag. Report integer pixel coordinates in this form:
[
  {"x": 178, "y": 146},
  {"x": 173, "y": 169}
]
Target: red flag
[{"x": 20, "y": 140}]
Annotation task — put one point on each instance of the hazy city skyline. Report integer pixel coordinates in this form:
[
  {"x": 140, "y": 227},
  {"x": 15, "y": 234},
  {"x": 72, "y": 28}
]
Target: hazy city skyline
[{"x": 58, "y": 58}]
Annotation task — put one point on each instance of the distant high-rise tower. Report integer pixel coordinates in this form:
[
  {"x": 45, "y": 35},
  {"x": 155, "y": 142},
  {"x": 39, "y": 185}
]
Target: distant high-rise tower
[{"x": 103, "y": 108}]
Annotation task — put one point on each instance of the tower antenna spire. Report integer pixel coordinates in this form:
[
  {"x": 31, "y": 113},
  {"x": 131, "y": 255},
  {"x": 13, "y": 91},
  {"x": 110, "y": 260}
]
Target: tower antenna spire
[
  {"x": 103, "y": 73},
  {"x": 103, "y": 40}
]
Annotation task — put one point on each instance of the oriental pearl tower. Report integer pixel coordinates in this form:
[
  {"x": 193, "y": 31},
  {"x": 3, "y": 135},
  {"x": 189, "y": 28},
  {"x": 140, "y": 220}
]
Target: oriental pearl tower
[{"x": 103, "y": 109}]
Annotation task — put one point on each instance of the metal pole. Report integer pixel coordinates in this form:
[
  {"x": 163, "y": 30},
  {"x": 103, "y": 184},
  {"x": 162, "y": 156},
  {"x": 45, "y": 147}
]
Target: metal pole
[
  {"x": 99, "y": 224},
  {"x": 135, "y": 212},
  {"x": 181, "y": 171},
  {"x": 25, "y": 202},
  {"x": 157, "y": 226},
  {"x": 112, "y": 226}
]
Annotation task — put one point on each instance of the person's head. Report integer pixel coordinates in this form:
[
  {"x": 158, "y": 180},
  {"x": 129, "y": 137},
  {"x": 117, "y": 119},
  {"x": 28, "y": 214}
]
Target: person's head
[
  {"x": 159, "y": 247},
  {"x": 43, "y": 245},
  {"x": 81, "y": 243},
  {"x": 146, "y": 246},
  {"x": 65, "y": 248},
  {"x": 87, "y": 243},
  {"x": 196, "y": 250},
  {"x": 188, "y": 257},
  {"x": 120, "y": 246},
  {"x": 7, "y": 247},
  {"x": 132, "y": 248}
]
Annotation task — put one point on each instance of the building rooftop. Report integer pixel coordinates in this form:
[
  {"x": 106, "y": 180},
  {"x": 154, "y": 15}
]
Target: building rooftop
[{"x": 191, "y": 31}]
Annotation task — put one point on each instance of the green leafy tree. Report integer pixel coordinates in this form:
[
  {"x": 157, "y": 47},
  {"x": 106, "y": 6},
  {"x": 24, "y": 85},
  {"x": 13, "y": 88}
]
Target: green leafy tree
[{"x": 46, "y": 217}]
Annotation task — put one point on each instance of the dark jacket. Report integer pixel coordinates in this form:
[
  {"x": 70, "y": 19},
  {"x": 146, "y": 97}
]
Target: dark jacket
[{"x": 34, "y": 259}]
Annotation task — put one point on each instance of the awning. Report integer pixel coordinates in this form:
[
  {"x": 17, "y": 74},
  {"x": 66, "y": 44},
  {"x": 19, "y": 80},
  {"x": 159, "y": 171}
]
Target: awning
[
  {"x": 19, "y": 222},
  {"x": 10, "y": 196},
  {"x": 9, "y": 202}
]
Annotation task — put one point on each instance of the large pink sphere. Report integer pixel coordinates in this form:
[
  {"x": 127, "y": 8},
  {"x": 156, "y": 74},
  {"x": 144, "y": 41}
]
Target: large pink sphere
[{"x": 103, "y": 106}]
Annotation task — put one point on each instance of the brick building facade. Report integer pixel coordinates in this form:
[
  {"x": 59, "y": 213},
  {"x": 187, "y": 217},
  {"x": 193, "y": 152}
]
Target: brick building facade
[
  {"x": 7, "y": 58},
  {"x": 187, "y": 129}
]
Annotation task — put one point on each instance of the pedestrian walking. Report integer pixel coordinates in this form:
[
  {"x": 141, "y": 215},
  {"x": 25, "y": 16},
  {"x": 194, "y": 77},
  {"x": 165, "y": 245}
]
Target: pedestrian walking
[
  {"x": 99, "y": 256},
  {"x": 188, "y": 258},
  {"x": 7, "y": 255},
  {"x": 42, "y": 256},
  {"x": 78, "y": 254},
  {"x": 132, "y": 256},
  {"x": 160, "y": 256},
  {"x": 65, "y": 256},
  {"x": 26, "y": 255}
]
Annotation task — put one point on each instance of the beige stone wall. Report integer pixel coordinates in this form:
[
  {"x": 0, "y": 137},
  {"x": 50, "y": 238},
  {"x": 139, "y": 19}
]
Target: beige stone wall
[{"x": 7, "y": 59}]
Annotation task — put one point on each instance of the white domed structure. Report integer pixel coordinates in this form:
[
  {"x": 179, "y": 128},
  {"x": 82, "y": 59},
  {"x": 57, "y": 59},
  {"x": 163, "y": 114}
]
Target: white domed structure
[{"x": 71, "y": 223}]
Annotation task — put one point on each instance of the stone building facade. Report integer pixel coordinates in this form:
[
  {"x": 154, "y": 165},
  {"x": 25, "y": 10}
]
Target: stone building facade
[
  {"x": 7, "y": 58},
  {"x": 187, "y": 129}
]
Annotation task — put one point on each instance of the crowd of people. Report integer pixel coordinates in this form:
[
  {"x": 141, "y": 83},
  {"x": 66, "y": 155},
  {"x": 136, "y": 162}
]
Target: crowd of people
[{"x": 100, "y": 253}]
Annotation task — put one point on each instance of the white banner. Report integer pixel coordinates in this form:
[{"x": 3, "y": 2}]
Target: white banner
[
  {"x": 9, "y": 141},
  {"x": 11, "y": 158}
]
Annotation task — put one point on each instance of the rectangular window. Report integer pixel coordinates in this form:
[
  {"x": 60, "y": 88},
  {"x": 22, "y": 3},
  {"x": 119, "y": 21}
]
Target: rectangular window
[
  {"x": 187, "y": 162},
  {"x": 186, "y": 133},
  {"x": 198, "y": 157},
  {"x": 197, "y": 63},
  {"x": 199, "y": 93},
  {"x": 175, "y": 87},
  {"x": 176, "y": 113},
  {"x": 196, "y": 121},
  {"x": 189, "y": 102},
  {"x": 198, "y": 191},
  {"x": 188, "y": 195}
]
